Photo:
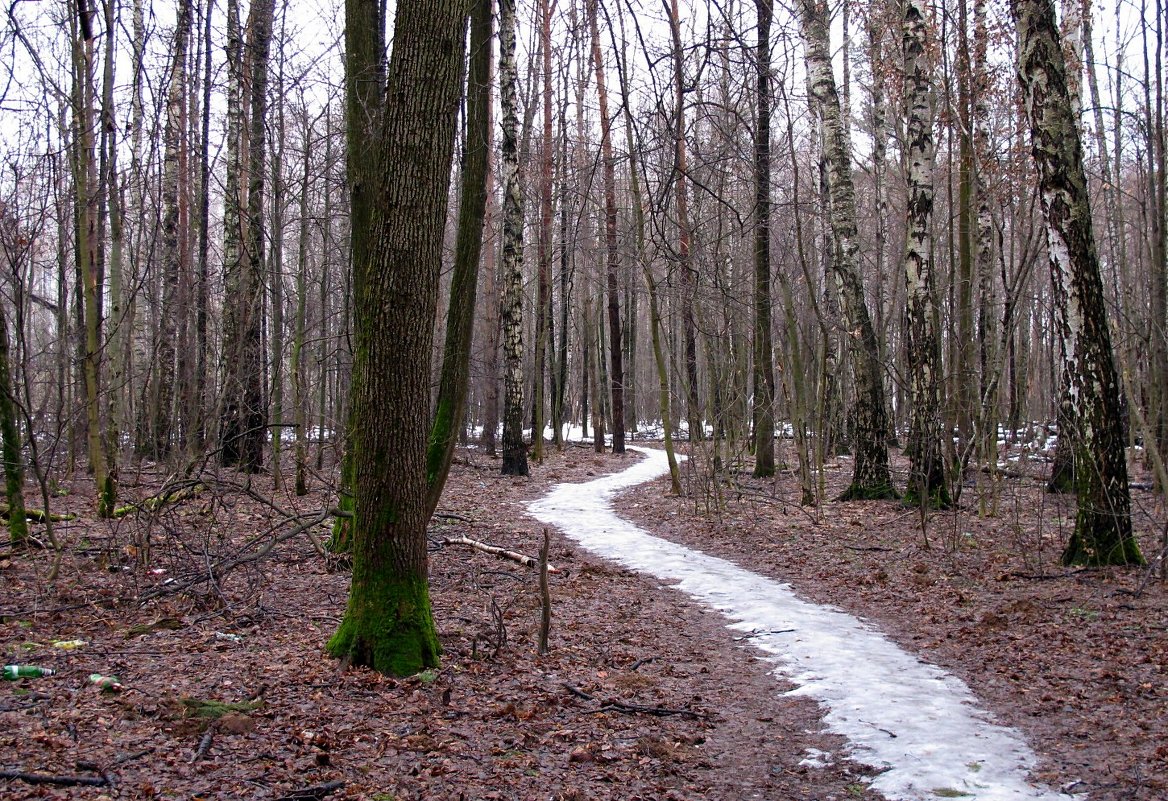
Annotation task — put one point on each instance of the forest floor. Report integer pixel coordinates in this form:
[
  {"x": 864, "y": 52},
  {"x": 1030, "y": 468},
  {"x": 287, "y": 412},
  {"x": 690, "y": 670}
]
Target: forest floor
[{"x": 644, "y": 694}]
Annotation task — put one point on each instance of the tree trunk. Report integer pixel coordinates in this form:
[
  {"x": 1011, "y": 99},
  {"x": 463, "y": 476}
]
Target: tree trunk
[
  {"x": 87, "y": 247},
  {"x": 1102, "y": 533},
  {"x": 173, "y": 238},
  {"x": 612, "y": 254},
  {"x": 764, "y": 369},
  {"x": 871, "y": 477},
  {"x": 455, "y": 376},
  {"x": 11, "y": 444},
  {"x": 514, "y": 451},
  {"x": 689, "y": 275},
  {"x": 926, "y": 484},
  {"x": 388, "y": 625}
]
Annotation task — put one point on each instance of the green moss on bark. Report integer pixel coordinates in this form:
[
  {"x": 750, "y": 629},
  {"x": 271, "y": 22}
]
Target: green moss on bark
[{"x": 388, "y": 626}]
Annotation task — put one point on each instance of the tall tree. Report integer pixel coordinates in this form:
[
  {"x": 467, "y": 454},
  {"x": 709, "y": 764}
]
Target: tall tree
[
  {"x": 1102, "y": 533},
  {"x": 871, "y": 477},
  {"x": 174, "y": 236},
  {"x": 764, "y": 368},
  {"x": 514, "y": 451},
  {"x": 688, "y": 274},
  {"x": 243, "y": 423},
  {"x": 926, "y": 483},
  {"x": 543, "y": 241},
  {"x": 388, "y": 624},
  {"x": 88, "y": 245},
  {"x": 611, "y": 251},
  {"x": 364, "y": 102},
  {"x": 455, "y": 374}
]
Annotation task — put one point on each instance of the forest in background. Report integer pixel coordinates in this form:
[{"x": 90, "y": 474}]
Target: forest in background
[{"x": 177, "y": 206}]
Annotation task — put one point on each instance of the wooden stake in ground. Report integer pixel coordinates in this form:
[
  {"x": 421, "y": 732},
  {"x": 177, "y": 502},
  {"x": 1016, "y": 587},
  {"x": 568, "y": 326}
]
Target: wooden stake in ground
[{"x": 545, "y": 618}]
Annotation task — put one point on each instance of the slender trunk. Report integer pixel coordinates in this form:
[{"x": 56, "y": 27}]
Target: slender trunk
[
  {"x": 689, "y": 275},
  {"x": 87, "y": 246},
  {"x": 764, "y": 371},
  {"x": 514, "y": 451},
  {"x": 612, "y": 254},
  {"x": 871, "y": 477},
  {"x": 455, "y": 375},
  {"x": 926, "y": 484}
]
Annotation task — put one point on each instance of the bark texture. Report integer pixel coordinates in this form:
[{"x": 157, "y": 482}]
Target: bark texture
[
  {"x": 869, "y": 423},
  {"x": 388, "y": 624},
  {"x": 926, "y": 483},
  {"x": 1102, "y": 533},
  {"x": 764, "y": 369},
  {"x": 514, "y": 451}
]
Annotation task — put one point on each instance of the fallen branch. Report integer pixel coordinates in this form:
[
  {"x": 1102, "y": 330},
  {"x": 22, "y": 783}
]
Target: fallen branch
[
  {"x": 609, "y": 705},
  {"x": 38, "y": 515},
  {"x": 313, "y": 793},
  {"x": 156, "y": 502},
  {"x": 224, "y": 566},
  {"x": 60, "y": 781},
  {"x": 495, "y": 550}
]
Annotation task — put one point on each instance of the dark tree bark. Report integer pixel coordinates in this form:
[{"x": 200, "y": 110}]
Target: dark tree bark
[
  {"x": 612, "y": 254},
  {"x": 10, "y": 434},
  {"x": 388, "y": 624},
  {"x": 1102, "y": 533},
  {"x": 453, "y": 382},
  {"x": 764, "y": 368},
  {"x": 243, "y": 423}
]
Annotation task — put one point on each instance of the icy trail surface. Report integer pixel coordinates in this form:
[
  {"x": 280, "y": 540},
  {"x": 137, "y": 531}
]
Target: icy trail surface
[{"x": 912, "y": 719}]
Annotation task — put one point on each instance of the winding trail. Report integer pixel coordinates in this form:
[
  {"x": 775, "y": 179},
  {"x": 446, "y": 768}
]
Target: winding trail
[{"x": 919, "y": 724}]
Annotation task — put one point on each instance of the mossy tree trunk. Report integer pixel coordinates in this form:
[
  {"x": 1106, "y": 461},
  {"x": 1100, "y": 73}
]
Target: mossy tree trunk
[
  {"x": 10, "y": 433},
  {"x": 364, "y": 101},
  {"x": 388, "y": 625},
  {"x": 926, "y": 484},
  {"x": 1102, "y": 533}
]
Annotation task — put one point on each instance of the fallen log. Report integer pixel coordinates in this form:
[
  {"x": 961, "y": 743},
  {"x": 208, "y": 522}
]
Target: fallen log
[
  {"x": 38, "y": 515},
  {"x": 495, "y": 550},
  {"x": 60, "y": 781}
]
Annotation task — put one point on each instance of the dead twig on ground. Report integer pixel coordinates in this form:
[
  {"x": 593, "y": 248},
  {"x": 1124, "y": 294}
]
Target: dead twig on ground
[
  {"x": 612, "y": 705},
  {"x": 314, "y": 793}
]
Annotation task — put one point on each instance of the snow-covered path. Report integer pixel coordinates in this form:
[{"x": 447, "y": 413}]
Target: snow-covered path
[{"x": 897, "y": 712}]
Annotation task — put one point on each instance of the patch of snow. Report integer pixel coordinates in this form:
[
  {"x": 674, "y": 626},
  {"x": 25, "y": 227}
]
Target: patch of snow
[
  {"x": 914, "y": 721},
  {"x": 817, "y": 759}
]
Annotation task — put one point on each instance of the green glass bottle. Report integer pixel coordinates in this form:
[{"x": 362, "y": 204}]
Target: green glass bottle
[{"x": 14, "y": 672}]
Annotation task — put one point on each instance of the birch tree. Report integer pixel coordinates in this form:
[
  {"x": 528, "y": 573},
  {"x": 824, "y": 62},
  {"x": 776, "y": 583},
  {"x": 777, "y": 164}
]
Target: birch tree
[
  {"x": 1102, "y": 533},
  {"x": 926, "y": 483},
  {"x": 514, "y": 452},
  {"x": 871, "y": 477}
]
